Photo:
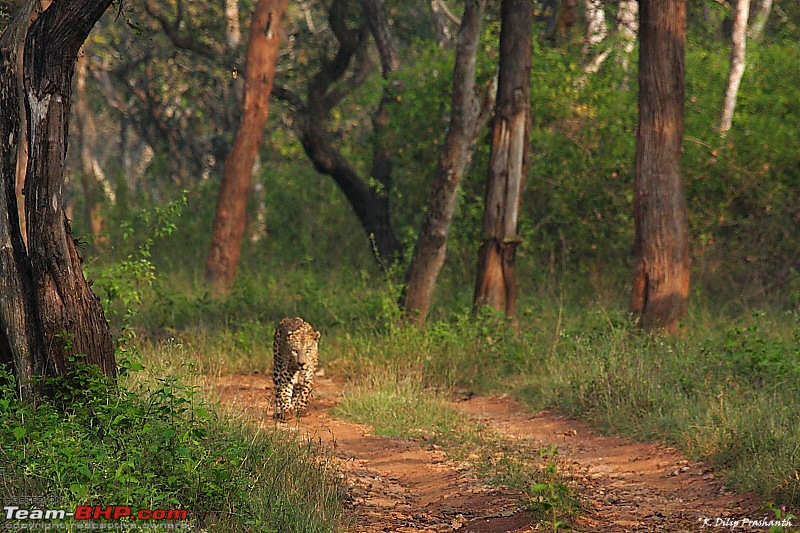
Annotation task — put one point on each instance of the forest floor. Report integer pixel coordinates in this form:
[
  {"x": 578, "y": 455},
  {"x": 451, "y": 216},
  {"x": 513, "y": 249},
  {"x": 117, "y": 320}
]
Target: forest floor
[{"x": 401, "y": 485}]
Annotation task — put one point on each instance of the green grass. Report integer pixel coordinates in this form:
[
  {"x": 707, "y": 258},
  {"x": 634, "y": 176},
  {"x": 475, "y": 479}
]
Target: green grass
[
  {"x": 155, "y": 443},
  {"x": 725, "y": 389},
  {"x": 396, "y": 403}
]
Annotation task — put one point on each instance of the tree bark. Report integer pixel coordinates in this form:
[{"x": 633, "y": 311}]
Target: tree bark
[
  {"x": 443, "y": 34},
  {"x": 91, "y": 176},
  {"x": 230, "y": 221},
  {"x": 71, "y": 315},
  {"x": 660, "y": 286},
  {"x": 736, "y": 71},
  {"x": 628, "y": 28},
  {"x": 431, "y": 246},
  {"x": 495, "y": 283},
  {"x": 20, "y": 330},
  {"x": 596, "y": 29},
  {"x": 760, "y": 20}
]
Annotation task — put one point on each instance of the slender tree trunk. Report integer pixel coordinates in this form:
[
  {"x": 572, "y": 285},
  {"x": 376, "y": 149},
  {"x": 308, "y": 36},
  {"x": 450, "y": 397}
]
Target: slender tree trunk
[
  {"x": 596, "y": 30},
  {"x": 736, "y": 72},
  {"x": 431, "y": 247},
  {"x": 91, "y": 175},
  {"x": 660, "y": 289},
  {"x": 443, "y": 34},
  {"x": 760, "y": 20},
  {"x": 628, "y": 28},
  {"x": 381, "y": 169},
  {"x": 230, "y": 221},
  {"x": 232, "y": 33},
  {"x": 496, "y": 284}
]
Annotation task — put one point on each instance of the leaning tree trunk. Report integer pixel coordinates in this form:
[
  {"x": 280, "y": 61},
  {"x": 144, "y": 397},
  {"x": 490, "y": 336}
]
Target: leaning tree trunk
[
  {"x": 661, "y": 246},
  {"x": 760, "y": 20},
  {"x": 230, "y": 221},
  {"x": 431, "y": 247},
  {"x": 739, "y": 42},
  {"x": 496, "y": 284}
]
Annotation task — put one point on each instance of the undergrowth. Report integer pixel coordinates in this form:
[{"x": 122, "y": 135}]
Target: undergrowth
[{"x": 158, "y": 445}]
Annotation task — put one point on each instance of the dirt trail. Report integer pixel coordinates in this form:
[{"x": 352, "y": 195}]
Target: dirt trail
[{"x": 406, "y": 486}]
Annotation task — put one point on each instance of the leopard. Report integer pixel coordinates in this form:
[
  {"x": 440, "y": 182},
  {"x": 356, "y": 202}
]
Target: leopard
[{"x": 295, "y": 360}]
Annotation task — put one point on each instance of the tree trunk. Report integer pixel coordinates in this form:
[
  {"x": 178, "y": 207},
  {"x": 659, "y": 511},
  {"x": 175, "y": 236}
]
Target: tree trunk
[
  {"x": 230, "y": 221},
  {"x": 660, "y": 289},
  {"x": 326, "y": 88},
  {"x": 628, "y": 28},
  {"x": 71, "y": 315},
  {"x": 20, "y": 331},
  {"x": 739, "y": 42},
  {"x": 496, "y": 284},
  {"x": 431, "y": 247},
  {"x": 381, "y": 169},
  {"x": 760, "y": 20},
  {"x": 232, "y": 33},
  {"x": 90, "y": 176},
  {"x": 596, "y": 29},
  {"x": 443, "y": 34}
]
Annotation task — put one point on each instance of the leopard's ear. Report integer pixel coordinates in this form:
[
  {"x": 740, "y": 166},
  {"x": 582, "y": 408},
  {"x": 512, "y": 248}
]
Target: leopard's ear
[{"x": 316, "y": 335}]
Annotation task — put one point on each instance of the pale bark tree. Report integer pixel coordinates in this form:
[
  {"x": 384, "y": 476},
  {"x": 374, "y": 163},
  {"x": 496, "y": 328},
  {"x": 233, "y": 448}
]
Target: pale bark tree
[
  {"x": 760, "y": 20},
  {"x": 431, "y": 246},
  {"x": 231, "y": 215},
  {"x": 233, "y": 34},
  {"x": 660, "y": 288},
  {"x": 596, "y": 30},
  {"x": 441, "y": 17},
  {"x": 48, "y": 313},
  {"x": 496, "y": 284},
  {"x": 628, "y": 28},
  {"x": 738, "y": 61}
]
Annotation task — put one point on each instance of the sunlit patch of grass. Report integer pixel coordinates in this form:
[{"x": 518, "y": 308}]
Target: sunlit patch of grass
[{"x": 396, "y": 402}]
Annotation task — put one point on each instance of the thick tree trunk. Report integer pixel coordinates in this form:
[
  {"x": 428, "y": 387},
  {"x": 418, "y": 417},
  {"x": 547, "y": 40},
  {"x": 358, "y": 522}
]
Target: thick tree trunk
[
  {"x": 71, "y": 316},
  {"x": 431, "y": 247},
  {"x": 661, "y": 247},
  {"x": 231, "y": 217},
  {"x": 20, "y": 332},
  {"x": 495, "y": 283},
  {"x": 739, "y": 42}
]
